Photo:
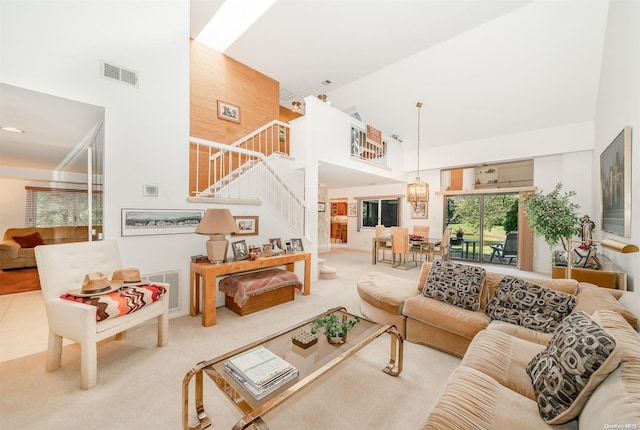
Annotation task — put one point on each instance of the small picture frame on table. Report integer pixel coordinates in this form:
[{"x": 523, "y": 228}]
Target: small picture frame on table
[
  {"x": 276, "y": 246},
  {"x": 240, "y": 250},
  {"x": 296, "y": 245}
]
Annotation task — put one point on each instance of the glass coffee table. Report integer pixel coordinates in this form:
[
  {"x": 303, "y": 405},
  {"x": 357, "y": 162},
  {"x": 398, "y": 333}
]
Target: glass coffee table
[{"x": 312, "y": 362}]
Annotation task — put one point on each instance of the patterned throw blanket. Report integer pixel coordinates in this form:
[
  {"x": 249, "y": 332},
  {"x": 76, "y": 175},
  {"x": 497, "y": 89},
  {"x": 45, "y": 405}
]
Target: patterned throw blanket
[
  {"x": 124, "y": 301},
  {"x": 240, "y": 287}
]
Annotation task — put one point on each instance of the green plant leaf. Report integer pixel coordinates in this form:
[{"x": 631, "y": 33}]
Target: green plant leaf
[{"x": 553, "y": 216}]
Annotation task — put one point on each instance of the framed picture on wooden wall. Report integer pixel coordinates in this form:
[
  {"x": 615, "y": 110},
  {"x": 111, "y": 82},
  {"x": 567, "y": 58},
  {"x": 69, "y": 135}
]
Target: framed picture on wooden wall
[{"x": 228, "y": 111}]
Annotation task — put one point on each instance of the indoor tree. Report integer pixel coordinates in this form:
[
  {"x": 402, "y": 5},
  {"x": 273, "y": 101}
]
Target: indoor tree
[{"x": 553, "y": 216}]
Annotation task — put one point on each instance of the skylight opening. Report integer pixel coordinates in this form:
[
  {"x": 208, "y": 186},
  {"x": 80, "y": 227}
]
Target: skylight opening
[{"x": 230, "y": 21}]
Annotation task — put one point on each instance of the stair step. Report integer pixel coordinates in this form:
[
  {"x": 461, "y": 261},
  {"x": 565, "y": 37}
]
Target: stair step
[{"x": 328, "y": 272}]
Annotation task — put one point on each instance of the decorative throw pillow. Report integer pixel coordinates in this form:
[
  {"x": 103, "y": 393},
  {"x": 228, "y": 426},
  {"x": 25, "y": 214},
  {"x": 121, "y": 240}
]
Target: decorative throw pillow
[
  {"x": 580, "y": 355},
  {"x": 29, "y": 241},
  {"x": 456, "y": 284},
  {"x": 523, "y": 303}
]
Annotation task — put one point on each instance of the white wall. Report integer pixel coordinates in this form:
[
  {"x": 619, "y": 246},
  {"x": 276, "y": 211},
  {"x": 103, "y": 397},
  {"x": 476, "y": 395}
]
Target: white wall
[
  {"x": 56, "y": 48},
  {"x": 618, "y": 106},
  {"x": 12, "y": 202}
]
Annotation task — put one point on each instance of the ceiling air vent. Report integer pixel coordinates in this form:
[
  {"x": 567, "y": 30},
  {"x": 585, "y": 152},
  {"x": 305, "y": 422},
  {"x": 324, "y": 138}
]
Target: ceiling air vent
[{"x": 117, "y": 73}]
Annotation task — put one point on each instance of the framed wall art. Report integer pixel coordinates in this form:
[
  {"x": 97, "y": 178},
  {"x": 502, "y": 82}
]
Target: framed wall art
[
  {"x": 143, "y": 222},
  {"x": 352, "y": 209},
  {"x": 615, "y": 179},
  {"x": 247, "y": 225},
  {"x": 419, "y": 211},
  {"x": 228, "y": 111}
]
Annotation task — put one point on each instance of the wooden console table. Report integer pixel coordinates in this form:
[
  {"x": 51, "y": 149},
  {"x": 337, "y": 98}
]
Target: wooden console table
[
  {"x": 610, "y": 276},
  {"x": 209, "y": 274}
]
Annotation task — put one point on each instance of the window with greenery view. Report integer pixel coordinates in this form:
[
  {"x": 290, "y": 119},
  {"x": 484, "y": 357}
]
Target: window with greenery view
[{"x": 46, "y": 207}]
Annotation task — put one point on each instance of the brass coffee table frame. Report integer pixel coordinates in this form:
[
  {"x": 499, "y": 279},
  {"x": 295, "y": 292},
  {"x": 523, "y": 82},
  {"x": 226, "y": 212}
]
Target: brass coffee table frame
[{"x": 253, "y": 414}]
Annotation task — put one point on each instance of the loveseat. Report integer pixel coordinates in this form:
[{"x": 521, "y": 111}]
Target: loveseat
[
  {"x": 13, "y": 255},
  {"x": 494, "y": 385}
]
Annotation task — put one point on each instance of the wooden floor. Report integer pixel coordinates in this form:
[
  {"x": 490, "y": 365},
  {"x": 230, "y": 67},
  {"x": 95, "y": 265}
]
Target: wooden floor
[{"x": 19, "y": 280}]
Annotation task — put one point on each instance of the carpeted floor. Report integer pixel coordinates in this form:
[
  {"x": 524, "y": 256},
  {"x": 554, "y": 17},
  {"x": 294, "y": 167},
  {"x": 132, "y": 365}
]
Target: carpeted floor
[
  {"x": 19, "y": 280},
  {"x": 139, "y": 384}
]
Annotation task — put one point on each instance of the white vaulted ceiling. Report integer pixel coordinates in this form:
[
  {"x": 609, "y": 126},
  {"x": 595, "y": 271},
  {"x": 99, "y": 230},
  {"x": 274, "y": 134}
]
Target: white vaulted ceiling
[{"x": 482, "y": 68}]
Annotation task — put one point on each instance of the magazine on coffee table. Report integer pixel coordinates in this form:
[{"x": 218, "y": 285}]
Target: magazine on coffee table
[{"x": 260, "y": 371}]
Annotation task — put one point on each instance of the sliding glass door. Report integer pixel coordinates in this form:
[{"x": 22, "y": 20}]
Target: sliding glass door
[{"x": 479, "y": 226}]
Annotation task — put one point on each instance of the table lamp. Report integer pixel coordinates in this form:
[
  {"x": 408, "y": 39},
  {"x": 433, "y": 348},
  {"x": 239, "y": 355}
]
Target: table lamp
[{"x": 217, "y": 223}]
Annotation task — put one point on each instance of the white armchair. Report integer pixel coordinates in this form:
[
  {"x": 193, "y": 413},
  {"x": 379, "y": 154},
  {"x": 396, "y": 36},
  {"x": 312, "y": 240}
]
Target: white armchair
[{"x": 62, "y": 268}]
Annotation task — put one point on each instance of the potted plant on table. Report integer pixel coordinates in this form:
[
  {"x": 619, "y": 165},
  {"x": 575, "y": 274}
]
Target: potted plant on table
[
  {"x": 334, "y": 327},
  {"x": 553, "y": 216}
]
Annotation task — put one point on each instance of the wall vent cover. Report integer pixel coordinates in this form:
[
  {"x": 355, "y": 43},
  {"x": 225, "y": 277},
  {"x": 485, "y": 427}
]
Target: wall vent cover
[{"x": 114, "y": 72}]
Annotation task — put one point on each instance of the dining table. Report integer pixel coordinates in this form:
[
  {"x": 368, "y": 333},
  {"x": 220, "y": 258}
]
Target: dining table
[{"x": 425, "y": 246}]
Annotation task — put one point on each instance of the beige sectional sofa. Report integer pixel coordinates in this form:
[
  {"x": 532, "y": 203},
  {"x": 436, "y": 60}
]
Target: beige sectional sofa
[
  {"x": 494, "y": 385},
  {"x": 13, "y": 255}
]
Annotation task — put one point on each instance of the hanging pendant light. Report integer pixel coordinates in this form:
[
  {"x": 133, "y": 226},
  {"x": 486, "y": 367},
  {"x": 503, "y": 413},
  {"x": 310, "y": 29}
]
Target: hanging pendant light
[{"x": 418, "y": 191}]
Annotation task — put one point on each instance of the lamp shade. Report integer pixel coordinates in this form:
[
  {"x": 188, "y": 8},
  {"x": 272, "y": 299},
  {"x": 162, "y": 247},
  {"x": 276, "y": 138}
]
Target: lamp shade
[{"x": 217, "y": 223}]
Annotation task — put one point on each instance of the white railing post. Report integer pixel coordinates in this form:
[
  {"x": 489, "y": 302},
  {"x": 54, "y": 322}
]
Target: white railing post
[{"x": 250, "y": 162}]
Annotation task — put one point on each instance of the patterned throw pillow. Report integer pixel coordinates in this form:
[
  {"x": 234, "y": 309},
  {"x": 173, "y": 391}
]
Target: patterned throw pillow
[
  {"x": 580, "y": 355},
  {"x": 29, "y": 241},
  {"x": 456, "y": 284},
  {"x": 523, "y": 303}
]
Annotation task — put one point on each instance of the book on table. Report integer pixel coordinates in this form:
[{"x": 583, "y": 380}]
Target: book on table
[{"x": 260, "y": 371}]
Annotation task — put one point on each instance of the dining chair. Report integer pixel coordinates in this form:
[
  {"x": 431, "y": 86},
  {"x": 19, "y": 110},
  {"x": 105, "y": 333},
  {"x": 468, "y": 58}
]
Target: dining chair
[
  {"x": 62, "y": 267},
  {"x": 384, "y": 246},
  {"x": 422, "y": 231},
  {"x": 443, "y": 250},
  {"x": 508, "y": 249},
  {"x": 401, "y": 249},
  {"x": 455, "y": 244}
]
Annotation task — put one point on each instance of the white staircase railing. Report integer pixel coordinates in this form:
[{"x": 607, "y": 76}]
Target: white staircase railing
[{"x": 237, "y": 173}]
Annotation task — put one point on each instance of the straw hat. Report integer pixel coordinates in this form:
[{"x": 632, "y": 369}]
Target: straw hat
[
  {"x": 96, "y": 284},
  {"x": 130, "y": 277}
]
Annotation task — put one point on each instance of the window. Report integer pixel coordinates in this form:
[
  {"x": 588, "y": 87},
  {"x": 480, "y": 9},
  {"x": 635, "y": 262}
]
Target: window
[
  {"x": 48, "y": 207},
  {"x": 379, "y": 211}
]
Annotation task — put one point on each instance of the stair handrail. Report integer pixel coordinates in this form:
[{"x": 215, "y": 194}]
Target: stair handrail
[{"x": 260, "y": 156}]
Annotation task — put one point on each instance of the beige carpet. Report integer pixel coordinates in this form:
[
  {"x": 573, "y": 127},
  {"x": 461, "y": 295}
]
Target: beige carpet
[{"x": 139, "y": 384}]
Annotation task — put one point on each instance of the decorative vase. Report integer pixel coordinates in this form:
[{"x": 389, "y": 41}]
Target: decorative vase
[{"x": 337, "y": 340}]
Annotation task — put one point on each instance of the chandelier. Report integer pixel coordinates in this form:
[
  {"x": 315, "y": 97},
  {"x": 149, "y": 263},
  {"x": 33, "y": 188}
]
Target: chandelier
[{"x": 418, "y": 191}]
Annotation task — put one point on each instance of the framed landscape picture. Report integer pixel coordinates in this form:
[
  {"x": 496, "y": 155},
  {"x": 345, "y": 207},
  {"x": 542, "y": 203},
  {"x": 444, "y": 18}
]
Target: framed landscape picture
[
  {"x": 143, "y": 222},
  {"x": 615, "y": 179},
  {"x": 228, "y": 111},
  {"x": 247, "y": 225}
]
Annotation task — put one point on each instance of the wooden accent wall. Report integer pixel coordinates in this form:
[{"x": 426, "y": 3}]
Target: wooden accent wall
[
  {"x": 456, "y": 180},
  {"x": 213, "y": 77},
  {"x": 525, "y": 237}
]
